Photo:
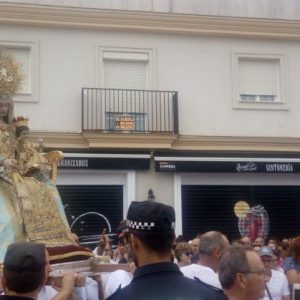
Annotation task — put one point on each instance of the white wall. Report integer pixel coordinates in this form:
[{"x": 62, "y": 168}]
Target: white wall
[
  {"x": 161, "y": 183},
  {"x": 198, "y": 67},
  {"x": 272, "y": 9}
]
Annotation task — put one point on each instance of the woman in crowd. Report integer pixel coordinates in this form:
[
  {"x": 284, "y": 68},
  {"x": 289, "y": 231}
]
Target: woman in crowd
[
  {"x": 183, "y": 254},
  {"x": 292, "y": 263}
]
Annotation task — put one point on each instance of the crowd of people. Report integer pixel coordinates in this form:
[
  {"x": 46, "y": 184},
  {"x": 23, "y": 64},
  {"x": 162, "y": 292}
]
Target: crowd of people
[{"x": 162, "y": 267}]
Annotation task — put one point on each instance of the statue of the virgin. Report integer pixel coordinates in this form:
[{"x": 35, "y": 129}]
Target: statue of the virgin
[{"x": 30, "y": 205}]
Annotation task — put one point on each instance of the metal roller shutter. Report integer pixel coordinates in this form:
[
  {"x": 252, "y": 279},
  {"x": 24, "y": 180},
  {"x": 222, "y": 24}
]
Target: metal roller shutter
[
  {"x": 91, "y": 208},
  {"x": 210, "y": 207}
]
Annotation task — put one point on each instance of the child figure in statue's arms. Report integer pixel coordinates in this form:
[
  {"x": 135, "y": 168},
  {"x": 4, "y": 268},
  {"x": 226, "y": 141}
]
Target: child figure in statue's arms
[{"x": 29, "y": 160}]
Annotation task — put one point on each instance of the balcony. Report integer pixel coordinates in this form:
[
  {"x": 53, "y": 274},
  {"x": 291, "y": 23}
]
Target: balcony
[{"x": 129, "y": 111}]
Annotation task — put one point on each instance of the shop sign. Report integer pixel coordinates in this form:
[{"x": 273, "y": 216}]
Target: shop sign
[
  {"x": 73, "y": 163},
  {"x": 226, "y": 167}
]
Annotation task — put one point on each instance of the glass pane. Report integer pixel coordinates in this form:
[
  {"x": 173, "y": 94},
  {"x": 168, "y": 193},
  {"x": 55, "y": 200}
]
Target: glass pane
[
  {"x": 248, "y": 98},
  {"x": 267, "y": 98}
]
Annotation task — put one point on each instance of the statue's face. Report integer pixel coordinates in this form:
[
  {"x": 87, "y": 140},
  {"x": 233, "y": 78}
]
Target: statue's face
[
  {"x": 4, "y": 108},
  {"x": 24, "y": 134}
]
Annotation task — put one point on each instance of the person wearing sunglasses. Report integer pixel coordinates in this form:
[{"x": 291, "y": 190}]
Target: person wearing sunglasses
[
  {"x": 277, "y": 287},
  {"x": 183, "y": 254}
]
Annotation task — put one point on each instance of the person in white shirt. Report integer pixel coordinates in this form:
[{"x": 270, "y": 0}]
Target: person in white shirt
[
  {"x": 117, "y": 279},
  {"x": 93, "y": 290},
  {"x": 277, "y": 287},
  {"x": 211, "y": 247},
  {"x": 120, "y": 278}
]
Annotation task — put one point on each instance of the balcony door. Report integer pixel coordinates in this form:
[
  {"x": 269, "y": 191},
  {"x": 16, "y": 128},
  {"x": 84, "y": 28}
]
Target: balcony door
[{"x": 126, "y": 70}]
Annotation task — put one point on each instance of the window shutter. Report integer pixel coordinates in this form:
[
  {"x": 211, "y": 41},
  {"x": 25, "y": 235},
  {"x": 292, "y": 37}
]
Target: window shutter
[
  {"x": 258, "y": 77},
  {"x": 124, "y": 74}
]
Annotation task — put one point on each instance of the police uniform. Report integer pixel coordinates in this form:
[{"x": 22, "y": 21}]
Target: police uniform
[{"x": 163, "y": 280}]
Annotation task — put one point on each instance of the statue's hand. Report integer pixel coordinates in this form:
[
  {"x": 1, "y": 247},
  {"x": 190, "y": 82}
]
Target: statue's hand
[{"x": 10, "y": 164}]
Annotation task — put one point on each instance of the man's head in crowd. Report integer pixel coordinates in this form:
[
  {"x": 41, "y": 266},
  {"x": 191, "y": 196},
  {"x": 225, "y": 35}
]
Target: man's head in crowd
[
  {"x": 212, "y": 245},
  {"x": 195, "y": 244},
  {"x": 246, "y": 241},
  {"x": 25, "y": 269},
  {"x": 266, "y": 254},
  {"x": 241, "y": 273},
  {"x": 152, "y": 235},
  {"x": 259, "y": 242}
]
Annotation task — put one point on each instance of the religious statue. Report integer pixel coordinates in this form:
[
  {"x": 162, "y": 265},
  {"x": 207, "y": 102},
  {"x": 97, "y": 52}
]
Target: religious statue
[{"x": 30, "y": 205}]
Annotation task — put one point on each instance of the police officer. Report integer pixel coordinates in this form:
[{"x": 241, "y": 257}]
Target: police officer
[{"x": 151, "y": 226}]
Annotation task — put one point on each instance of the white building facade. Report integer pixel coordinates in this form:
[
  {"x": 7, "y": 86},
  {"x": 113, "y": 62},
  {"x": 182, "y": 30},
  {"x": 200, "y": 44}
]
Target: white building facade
[{"x": 197, "y": 101}]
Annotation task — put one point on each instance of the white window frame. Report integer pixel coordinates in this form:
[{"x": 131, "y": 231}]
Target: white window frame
[
  {"x": 30, "y": 95},
  {"x": 282, "y": 99},
  {"x": 121, "y": 53}
]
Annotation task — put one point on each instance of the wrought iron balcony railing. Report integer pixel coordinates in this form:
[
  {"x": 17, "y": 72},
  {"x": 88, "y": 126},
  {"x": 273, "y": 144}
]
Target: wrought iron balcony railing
[{"x": 122, "y": 110}]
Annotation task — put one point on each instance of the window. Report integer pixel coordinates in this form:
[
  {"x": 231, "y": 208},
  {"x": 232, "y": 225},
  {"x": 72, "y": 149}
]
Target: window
[
  {"x": 26, "y": 53},
  {"x": 259, "y": 81},
  {"x": 125, "y": 69}
]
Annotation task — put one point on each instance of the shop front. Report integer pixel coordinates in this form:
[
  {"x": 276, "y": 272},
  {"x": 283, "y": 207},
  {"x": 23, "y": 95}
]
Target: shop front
[
  {"x": 96, "y": 190},
  {"x": 236, "y": 194}
]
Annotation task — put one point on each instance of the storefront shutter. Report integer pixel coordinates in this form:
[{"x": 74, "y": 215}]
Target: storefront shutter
[
  {"x": 88, "y": 206},
  {"x": 209, "y": 207}
]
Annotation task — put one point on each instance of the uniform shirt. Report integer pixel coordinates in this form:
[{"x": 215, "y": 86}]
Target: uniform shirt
[
  {"x": 163, "y": 281},
  {"x": 203, "y": 273},
  {"x": 278, "y": 286}
]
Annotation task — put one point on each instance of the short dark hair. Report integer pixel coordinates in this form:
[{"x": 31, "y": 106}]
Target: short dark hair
[
  {"x": 159, "y": 242},
  {"x": 24, "y": 266},
  {"x": 233, "y": 261},
  {"x": 211, "y": 240}
]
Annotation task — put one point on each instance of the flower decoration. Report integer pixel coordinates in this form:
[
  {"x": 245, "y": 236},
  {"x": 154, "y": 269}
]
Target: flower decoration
[{"x": 11, "y": 75}]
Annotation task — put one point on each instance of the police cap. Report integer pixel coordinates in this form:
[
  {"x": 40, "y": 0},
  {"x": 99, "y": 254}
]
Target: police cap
[{"x": 149, "y": 216}]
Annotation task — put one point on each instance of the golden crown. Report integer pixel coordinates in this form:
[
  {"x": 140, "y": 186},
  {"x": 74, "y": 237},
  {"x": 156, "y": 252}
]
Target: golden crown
[{"x": 20, "y": 121}]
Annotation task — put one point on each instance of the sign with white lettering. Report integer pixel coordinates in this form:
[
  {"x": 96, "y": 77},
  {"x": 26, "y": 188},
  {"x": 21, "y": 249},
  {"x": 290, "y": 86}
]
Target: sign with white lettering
[
  {"x": 73, "y": 163},
  {"x": 107, "y": 163},
  {"x": 125, "y": 122},
  {"x": 226, "y": 166},
  {"x": 165, "y": 165}
]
